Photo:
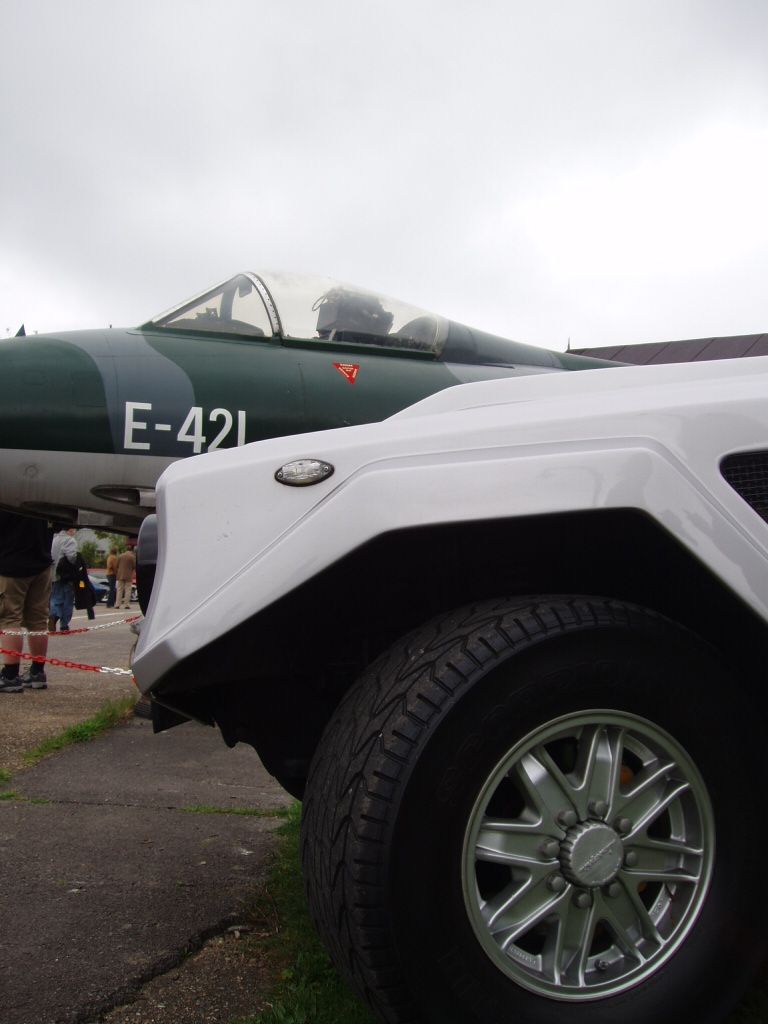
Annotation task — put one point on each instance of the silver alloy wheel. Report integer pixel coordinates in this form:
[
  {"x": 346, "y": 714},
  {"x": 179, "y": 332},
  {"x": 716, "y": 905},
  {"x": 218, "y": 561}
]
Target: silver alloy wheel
[{"x": 587, "y": 855}]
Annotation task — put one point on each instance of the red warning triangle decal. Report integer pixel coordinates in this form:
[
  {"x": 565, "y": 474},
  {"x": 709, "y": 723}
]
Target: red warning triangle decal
[{"x": 348, "y": 370}]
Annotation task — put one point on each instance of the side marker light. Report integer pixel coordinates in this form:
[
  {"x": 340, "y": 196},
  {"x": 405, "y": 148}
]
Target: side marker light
[{"x": 303, "y": 472}]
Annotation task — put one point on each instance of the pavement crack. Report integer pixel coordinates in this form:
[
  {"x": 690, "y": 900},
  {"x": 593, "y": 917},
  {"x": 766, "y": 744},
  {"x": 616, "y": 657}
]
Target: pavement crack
[{"x": 126, "y": 994}]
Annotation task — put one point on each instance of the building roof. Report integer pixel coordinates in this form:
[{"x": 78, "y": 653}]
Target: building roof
[{"x": 690, "y": 351}]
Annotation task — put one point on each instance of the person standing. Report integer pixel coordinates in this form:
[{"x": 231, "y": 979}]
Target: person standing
[
  {"x": 126, "y": 567},
  {"x": 112, "y": 577},
  {"x": 85, "y": 595},
  {"x": 25, "y": 586},
  {"x": 64, "y": 555}
]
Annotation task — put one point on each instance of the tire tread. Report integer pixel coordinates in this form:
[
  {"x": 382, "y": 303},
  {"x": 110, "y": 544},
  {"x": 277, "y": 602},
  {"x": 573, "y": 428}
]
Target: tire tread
[{"x": 369, "y": 748}]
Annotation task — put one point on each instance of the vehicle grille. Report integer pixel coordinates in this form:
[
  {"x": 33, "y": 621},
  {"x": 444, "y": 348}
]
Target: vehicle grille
[{"x": 747, "y": 474}]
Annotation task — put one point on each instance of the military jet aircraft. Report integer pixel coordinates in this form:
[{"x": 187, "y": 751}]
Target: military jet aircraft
[{"x": 89, "y": 420}]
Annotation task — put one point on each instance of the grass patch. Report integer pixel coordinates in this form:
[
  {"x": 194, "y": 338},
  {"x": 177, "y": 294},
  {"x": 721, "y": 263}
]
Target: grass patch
[
  {"x": 5, "y": 776},
  {"x": 309, "y": 990},
  {"x": 12, "y": 794},
  {"x": 108, "y": 716},
  {"x": 245, "y": 812}
]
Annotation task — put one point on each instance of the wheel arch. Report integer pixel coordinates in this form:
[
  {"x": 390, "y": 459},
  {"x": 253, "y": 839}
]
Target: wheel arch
[{"x": 290, "y": 664}]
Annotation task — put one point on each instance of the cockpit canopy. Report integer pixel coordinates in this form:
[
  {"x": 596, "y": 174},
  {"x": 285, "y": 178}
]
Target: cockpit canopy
[
  {"x": 304, "y": 308},
  {"x": 307, "y": 306}
]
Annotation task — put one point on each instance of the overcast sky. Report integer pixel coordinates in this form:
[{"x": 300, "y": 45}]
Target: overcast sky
[{"x": 592, "y": 169}]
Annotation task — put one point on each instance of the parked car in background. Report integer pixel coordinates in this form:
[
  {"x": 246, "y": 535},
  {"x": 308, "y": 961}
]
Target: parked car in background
[
  {"x": 98, "y": 578},
  {"x": 99, "y": 583}
]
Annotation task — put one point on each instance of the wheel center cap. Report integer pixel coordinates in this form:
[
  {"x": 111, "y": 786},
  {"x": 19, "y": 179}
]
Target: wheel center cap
[{"x": 591, "y": 854}]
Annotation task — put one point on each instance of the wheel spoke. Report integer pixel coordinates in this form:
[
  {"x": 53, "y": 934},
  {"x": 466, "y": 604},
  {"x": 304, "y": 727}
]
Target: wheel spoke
[
  {"x": 660, "y": 875},
  {"x": 600, "y": 751},
  {"x": 663, "y": 861},
  {"x": 667, "y": 847},
  {"x": 628, "y": 918},
  {"x": 645, "y": 807},
  {"x": 512, "y": 913},
  {"x": 565, "y": 956},
  {"x": 507, "y": 842},
  {"x": 546, "y": 787},
  {"x": 650, "y": 775}
]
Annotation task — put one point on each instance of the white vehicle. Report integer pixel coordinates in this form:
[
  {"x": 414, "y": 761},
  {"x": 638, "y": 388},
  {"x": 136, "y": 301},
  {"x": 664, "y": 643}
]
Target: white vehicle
[{"x": 510, "y": 645}]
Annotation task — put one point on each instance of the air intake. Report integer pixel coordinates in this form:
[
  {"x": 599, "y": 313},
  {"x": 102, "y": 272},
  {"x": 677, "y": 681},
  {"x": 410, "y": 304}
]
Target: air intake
[{"x": 747, "y": 473}]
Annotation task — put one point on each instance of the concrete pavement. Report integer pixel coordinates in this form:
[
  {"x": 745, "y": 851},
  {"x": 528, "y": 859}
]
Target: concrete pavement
[{"x": 113, "y": 869}]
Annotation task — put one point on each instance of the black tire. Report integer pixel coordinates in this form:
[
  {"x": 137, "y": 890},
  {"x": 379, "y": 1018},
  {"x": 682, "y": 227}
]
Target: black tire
[{"x": 400, "y": 893}]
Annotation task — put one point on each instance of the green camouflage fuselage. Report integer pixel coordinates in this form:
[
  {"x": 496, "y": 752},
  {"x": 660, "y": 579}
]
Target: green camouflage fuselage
[{"x": 88, "y": 420}]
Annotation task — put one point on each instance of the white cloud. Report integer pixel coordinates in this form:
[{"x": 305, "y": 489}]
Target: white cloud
[
  {"x": 590, "y": 169},
  {"x": 696, "y": 207}
]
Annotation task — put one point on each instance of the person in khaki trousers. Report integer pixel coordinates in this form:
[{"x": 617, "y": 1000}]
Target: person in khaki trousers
[
  {"x": 112, "y": 578},
  {"x": 25, "y": 588},
  {"x": 126, "y": 566}
]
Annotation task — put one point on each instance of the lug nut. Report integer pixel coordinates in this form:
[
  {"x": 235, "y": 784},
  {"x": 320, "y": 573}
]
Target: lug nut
[
  {"x": 549, "y": 848},
  {"x": 630, "y": 859},
  {"x": 598, "y": 808},
  {"x": 582, "y": 900},
  {"x": 567, "y": 818},
  {"x": 614, "y": 890},
  {"x": 623, "y": 825},
  {"x": 556, "y": 883}
]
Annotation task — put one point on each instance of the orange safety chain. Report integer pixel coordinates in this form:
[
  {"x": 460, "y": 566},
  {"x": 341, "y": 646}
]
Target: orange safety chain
[
  {"x": 69, "y": 664},
  {"x": 69, "y": 632},
  {"x": 104, "y": 669}
]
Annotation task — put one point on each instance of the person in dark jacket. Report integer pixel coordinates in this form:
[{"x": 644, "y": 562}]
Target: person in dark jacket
[
  {"x": 25, "y": 587},
  {"x": 85, "y": 595}
]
